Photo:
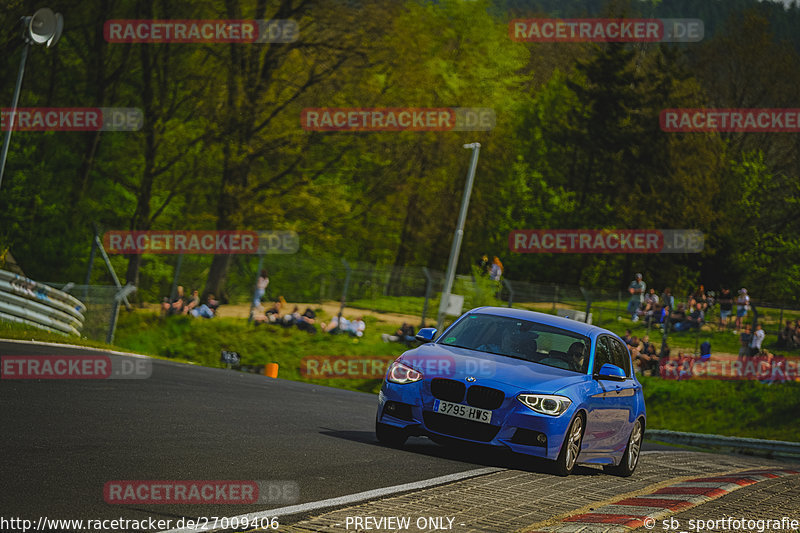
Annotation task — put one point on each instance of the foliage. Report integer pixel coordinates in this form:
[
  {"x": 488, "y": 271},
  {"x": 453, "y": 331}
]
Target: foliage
[{"x": 577, "y": 143}]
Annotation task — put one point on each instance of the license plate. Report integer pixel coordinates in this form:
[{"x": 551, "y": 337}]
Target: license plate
[{"x": 462, "y": 411}]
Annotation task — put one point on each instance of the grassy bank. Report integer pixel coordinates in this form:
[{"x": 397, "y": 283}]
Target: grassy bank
[
  {"x": 735, "y": 408},
  {"x": 746, "y": 409}
]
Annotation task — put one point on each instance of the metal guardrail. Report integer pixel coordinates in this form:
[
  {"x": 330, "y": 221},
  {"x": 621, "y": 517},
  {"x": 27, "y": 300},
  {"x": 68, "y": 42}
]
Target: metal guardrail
[
  {"x": 29, "y": 302},
  {"x": 762, "y": 447}
]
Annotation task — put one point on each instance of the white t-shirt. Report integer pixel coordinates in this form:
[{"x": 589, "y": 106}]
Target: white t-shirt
[
  {"x": 758, "y": 337},
  {"x": 742, "y": 302}
]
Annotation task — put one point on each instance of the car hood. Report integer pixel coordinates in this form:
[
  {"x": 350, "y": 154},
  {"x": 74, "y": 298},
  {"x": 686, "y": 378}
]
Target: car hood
[{"x": 436, "y": 360}]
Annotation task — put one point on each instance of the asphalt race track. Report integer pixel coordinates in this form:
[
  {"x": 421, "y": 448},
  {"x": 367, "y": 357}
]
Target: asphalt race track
[{"x": 64, "y": 439}]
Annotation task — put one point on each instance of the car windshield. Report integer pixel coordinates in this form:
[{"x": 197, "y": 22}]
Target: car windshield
[{"x": 521, "y": 339}]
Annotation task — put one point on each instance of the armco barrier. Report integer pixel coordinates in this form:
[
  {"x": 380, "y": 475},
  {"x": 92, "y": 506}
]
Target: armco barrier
[
  {"x": 761, "y": 447},
  {"x": 36, "y": 304}
]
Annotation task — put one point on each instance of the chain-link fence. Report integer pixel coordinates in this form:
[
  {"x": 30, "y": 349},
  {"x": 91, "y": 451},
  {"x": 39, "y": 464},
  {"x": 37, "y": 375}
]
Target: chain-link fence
[
  {"x": 100, "y": 316},
  {"x": 416, "y": 291}
]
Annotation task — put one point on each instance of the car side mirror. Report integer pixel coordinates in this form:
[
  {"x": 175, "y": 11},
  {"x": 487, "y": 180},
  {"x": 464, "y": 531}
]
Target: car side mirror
[
  {"x": 611, "y": 372},
  {"x": 426, "y": 335}
]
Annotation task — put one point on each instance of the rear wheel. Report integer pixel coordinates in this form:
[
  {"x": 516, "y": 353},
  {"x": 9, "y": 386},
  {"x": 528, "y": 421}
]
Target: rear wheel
[
  {"x": 630, "y": 459},
  {"x": 390, "y": 435},
  {"x": 571, "y": 448}
]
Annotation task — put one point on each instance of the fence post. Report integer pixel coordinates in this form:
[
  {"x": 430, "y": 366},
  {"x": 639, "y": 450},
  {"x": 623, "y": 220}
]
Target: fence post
[
  {"x": 89, "y": 268},
  {"x": 107, "y": 261},
  {"x": 555, "y": 297},
  {"x": 510, "y": 292},
  {"x": 619, "y": 301},
  {"x": 173, "y": 291},
  {"x": 255, "y": 289},
  {"x": 118, "y": 297},
  {"x": 588, "y": 297},
  {"x": 428, "y": 287},
  {"x": 344, "y": 290}
]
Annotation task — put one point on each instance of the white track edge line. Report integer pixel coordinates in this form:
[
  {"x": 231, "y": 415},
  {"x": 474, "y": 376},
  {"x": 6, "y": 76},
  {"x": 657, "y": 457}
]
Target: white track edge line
[{"x": 350, "y": 498}]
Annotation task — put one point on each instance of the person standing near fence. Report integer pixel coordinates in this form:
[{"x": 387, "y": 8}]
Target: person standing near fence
[
  {"x": 755, "y": 342},
  {"x": 261, "y": 288},
  {"x": 725, "y": 308},
  {"x": 636, "y": 288},
  {"x": 497, "y": 269},
  {"x": 742, "y": 307}
]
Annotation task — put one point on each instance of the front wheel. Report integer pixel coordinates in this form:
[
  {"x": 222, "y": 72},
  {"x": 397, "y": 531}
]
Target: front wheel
[
  {"x": 630, "y": 459},
  {"x": 390, "y": 435},
  {"x": 570, "y": 449}
]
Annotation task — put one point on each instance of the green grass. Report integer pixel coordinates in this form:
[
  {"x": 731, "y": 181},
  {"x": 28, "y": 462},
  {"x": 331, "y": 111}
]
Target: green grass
[
  {"x": 734, "y": 408},
  {"x": 16, "y": 331},
  {"x": 604, "y": 314},
  {"x": 741, "y": 408},
  {"x": 200, "y": 341}
]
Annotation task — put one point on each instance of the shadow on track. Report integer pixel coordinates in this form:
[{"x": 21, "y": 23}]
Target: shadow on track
[{"x": 476, "y": 454}]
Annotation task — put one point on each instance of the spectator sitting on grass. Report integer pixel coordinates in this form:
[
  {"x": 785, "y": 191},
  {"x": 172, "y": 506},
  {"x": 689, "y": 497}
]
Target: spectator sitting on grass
[
  {"x": 305, "y": 322},
  {"x": 755, "y": 342},
  {"x": 194, "y": 301},
  {"x": 405, "y": 335},
  {"x": 290, "y": 319},
  {"x": 270, "y": 316},
  {"x": 677, "y": 316},
  {"x": 357, "y": 327},
  {"x": 744, "y": 342},
  {"x": 651, "y": 309},
  {"x": 697, "y": 317},
  {"x": 333, "y": 325},
  {"x": 174, "y": 306},
  {"x": 693, "y": 321},
  {"x": 208, "y": 309},
  {"x": 648, "y": 359},
  {"x": 627, "y": 337},
  {"x": 635, "y": 347},
  {"x": 789, "y": 337}
]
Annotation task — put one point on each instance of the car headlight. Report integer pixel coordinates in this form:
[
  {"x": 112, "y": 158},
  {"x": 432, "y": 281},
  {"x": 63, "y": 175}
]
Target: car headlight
[
  {"x": 547, "y": 404},
  {"x": 402, "y": 374}
]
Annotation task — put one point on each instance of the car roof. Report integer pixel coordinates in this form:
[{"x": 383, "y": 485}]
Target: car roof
[{"x": 543, "y": 318}]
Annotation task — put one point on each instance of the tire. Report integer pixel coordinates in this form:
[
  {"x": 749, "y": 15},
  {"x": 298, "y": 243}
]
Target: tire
[
  {"x": 570, "y": 448},
  {"x": 632, "y": 451},
  {"x": 390, "y": 435}
]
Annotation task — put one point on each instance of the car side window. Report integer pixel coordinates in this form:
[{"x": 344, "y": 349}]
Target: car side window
[
  {"x": 602, "y": 354},
  {"x": 621, "y": 356}
]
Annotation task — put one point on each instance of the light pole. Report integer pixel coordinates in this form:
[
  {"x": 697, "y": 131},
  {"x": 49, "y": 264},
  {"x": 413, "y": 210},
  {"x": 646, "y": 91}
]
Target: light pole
[
  {"x": 44, "y": 27},
  {"x": 456, "y": 246}
]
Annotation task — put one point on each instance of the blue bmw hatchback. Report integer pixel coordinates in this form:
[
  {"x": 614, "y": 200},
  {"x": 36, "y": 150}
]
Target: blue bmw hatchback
[{"x": 538, "y": 384}]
